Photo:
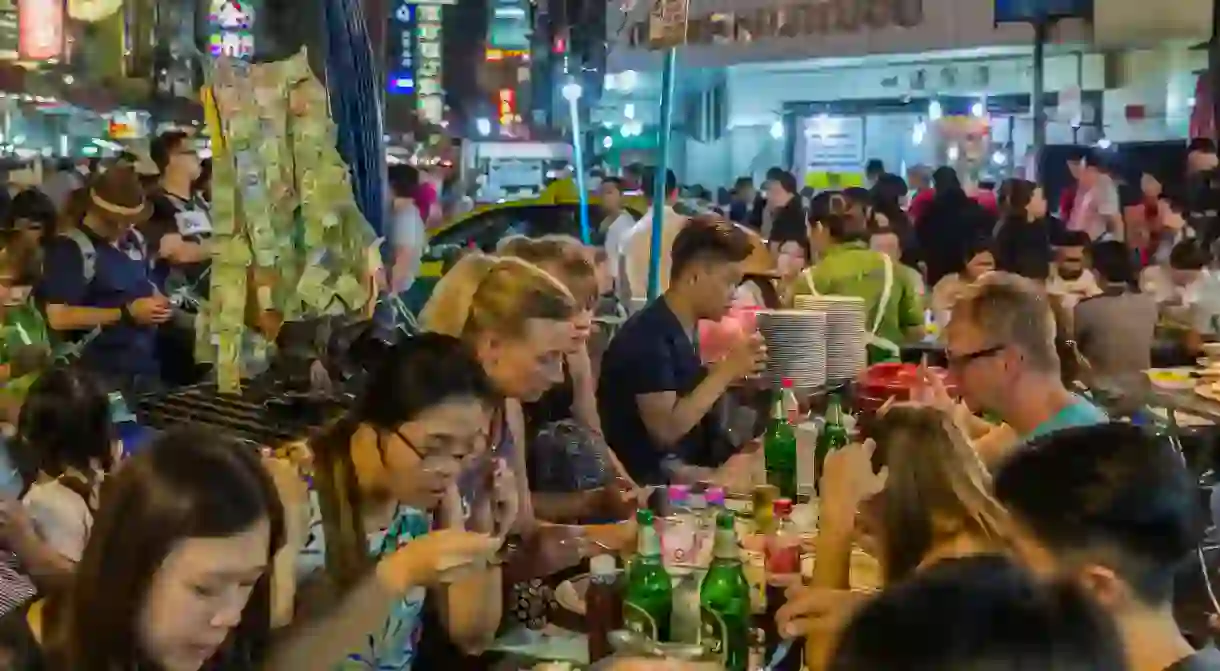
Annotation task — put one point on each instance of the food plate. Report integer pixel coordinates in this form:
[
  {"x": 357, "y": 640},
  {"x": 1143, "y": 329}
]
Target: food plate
[{"x": 1173, "y": 378}]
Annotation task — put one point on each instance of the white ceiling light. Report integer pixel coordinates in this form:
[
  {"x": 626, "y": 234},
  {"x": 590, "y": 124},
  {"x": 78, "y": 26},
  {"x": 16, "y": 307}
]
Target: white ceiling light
[
  {"x": 935, "y": 110},
  {"x": 607, "y": 142},
  {"x": 627, "y": 80},
  {"x": 777, "y": 130},
  {"x": 629, "y": 111}
]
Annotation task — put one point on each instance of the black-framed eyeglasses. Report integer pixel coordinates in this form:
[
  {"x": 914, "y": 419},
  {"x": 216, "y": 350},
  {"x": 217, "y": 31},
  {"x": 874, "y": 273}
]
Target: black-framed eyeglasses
[{"x": 963, "y": 360}]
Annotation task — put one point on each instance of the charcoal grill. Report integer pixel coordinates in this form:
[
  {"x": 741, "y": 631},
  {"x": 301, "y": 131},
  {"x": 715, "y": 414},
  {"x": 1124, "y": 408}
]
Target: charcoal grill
[{"x": 261, "y": 415}]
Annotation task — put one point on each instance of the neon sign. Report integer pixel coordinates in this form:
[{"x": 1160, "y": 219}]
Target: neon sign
[
  {"x": 508, "y": 106},
  {"x": 231, "y": 22},
  {"x": 40, "y": 29},
  {"x": 401, "y": 70}
]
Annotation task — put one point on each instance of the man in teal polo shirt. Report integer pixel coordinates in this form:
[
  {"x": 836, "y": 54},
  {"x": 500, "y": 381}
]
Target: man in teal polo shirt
[
  {"x": 1001, "y": 351},
  {"x": 849, "y": 268}
]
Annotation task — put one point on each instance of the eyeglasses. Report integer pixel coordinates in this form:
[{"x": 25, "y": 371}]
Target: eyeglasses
[{"x": 963, "y": 360}]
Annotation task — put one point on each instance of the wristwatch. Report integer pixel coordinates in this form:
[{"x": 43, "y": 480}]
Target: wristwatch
[{"x": 125, "y": 315}]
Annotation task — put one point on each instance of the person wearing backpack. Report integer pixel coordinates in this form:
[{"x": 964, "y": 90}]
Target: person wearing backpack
[{"x": 98, "y": 286}]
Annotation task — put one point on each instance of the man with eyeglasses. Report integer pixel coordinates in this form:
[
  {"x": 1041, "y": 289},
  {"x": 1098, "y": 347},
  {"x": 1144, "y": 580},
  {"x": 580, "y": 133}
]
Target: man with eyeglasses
[{"x": 1001, "y": 350}]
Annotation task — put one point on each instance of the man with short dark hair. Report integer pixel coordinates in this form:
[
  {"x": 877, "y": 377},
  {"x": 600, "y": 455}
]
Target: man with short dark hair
[
  {"x": 616, "y": 222},
  {"x": 656, "y": 400},
  {"x": 1112, "y": 507},
  {"x": 408, "y": 234},
  {"x": 873, "y": 170},
  {"x": 787, "y": 221},
  {"x": 761, "y": 213},
  {"x": 637, "y": 243},
  {"x": 1071, "y": 279},
  {"x": 743, "y": 200},
  {"x": 180, "y": 229}
]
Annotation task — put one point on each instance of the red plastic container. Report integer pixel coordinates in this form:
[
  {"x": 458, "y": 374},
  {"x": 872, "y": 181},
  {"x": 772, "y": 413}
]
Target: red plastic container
[{"x": 884, "y": 381}]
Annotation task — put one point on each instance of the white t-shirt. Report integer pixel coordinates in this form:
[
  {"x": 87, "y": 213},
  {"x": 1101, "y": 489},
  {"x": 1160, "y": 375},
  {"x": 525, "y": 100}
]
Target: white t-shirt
[
  {"x": 637, "y": 250},
  {"x": 410, "y": 232},
  {"x": 61, "y": 517},
  {"x": 615, "y": 233}
]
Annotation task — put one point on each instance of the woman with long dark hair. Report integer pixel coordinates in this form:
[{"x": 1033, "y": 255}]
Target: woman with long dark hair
[
  {"x": 387, "y": 473},
  {"x": 1024, "y": 234},
  {"x": 177, "y": 572}
]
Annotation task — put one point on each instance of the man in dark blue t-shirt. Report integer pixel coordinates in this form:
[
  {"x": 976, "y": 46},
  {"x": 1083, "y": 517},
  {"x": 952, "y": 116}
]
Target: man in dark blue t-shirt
[
  {"x": 97, "y": 285},
  {"x": 655, "y": 398}
]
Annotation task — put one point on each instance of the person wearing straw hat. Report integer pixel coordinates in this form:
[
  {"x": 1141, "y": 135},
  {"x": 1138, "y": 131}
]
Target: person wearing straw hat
[{"x": 98, "y": 282}]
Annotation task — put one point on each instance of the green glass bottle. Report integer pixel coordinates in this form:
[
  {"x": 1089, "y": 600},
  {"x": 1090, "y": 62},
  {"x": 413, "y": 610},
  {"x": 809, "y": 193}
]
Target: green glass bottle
[
  {"x": 648, "y": 601},
  {"x": 724, "y": 601},
  {"x": 832, "y": 437},
  {"x": 779, "y": 445}
]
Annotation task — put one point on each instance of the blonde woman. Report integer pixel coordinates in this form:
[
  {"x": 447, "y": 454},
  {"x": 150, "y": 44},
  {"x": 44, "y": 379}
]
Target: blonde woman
[
  {"x": 517, "y": 320},
  {"x": 930, "y": 500},
  {"x": 572, "y": 468}
]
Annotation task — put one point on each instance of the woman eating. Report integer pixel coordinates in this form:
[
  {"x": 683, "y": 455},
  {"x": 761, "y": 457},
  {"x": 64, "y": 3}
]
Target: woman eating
[
  {"x": 571, "y": 469},
  {"x": 929, "y": 501},
  {"x": 388, "y": 473},
  {"x": 176, "y": 577},
  {"x": 517, "y": 321}
]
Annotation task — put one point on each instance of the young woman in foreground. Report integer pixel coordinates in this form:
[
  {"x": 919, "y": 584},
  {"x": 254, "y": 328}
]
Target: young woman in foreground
[
  {"x": 928, "y": 499},
  {"x": 175, "y": 576}
]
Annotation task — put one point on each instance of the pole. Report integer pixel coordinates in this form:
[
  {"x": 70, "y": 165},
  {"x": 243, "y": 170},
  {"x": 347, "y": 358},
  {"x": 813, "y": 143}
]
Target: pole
[
  {"x": 659, "y": 193},
  {"x": 579, "y": 167},
  {"x": 1041, "y": 27}
]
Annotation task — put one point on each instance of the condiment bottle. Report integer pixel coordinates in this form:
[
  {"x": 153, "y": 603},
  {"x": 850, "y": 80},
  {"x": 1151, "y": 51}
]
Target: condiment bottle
[{"x": 603, "y": 606}]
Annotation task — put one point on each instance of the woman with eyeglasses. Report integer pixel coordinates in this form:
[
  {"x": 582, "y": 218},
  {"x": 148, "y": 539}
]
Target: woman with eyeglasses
[
  {"x": 387, "y": 474},
  {"x": 179, "y": 573}
]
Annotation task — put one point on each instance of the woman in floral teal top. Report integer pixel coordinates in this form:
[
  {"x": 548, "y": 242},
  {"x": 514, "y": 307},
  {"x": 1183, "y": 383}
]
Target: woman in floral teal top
[{"x": 387, "y": 474}]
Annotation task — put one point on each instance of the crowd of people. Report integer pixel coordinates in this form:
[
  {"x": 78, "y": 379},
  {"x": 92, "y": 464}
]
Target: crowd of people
[{"x": 515, "y": 436}]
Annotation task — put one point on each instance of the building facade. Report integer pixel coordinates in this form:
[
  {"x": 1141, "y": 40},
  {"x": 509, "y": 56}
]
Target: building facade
[{"x": 823, "y": 85}]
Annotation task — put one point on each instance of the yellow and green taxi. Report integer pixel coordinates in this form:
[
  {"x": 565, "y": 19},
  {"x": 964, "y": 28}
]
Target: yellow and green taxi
[{"x": 483, "y": 227}]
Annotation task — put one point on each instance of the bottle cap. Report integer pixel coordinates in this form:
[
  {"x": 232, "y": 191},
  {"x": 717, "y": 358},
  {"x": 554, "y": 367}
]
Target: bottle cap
[
  {"x": 678, "y": 493},
  {"x": 725, "y": 520},
  {"x": 643, "y": 517},
  {"x": 786, "y": 383},
  {"x": 602, "y": 565},
  {"x": 715, "y": 496},
  {"x": 783, "y": 507}
]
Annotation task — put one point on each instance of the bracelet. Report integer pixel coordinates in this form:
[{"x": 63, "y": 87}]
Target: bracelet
[{"x": 125, "y": 315}]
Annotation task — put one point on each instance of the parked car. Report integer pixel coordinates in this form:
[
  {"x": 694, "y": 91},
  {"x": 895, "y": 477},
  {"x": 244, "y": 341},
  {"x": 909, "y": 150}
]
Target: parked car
[{"x": 484, "y": 227}]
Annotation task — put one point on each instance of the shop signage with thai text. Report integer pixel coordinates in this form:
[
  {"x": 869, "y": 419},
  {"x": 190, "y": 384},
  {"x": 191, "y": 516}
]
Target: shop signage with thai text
[
  {"x": 401, "y": 67},
  {"x": 792, "y": 19}
]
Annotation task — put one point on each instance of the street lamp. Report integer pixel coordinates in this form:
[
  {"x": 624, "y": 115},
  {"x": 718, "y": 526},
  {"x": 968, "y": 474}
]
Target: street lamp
[{"x": 571, "y": 92}]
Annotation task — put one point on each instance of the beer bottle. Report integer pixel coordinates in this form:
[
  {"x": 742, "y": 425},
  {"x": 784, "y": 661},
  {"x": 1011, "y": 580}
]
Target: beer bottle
[
  {"x": 648, "y": 601},
  {"x": 725, "y": 601},
  {"x": 779, "y": 446},
  {"x": 832, "y": 437}
]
